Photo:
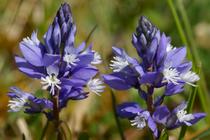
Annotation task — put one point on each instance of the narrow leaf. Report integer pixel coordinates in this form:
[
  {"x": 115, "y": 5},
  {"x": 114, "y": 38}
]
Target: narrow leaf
[
  {"x": 164, "y": 135},
  {"x": 202, "y": 135}
]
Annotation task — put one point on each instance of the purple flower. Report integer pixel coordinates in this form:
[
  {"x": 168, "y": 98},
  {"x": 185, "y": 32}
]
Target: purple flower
[
  {"x": 178, "y": 117},
  {"x": 137, "y": 116},
  {"x": 161, "y": 65},
  {"x": 55, "y": 66},
  {"x": 18, "y": 99},
  {"x": 27, "y": 102},
  {"x": 62, "y": 68},
  {"x": 145, "y": 40},
  {"x": 126, "y": 71}
]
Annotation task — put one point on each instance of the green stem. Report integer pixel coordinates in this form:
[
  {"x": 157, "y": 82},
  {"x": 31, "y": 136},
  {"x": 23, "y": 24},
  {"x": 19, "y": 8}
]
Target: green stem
[
  {"x": 44, "y": 130},
  {"x": 90, "y": 34},
  {"x": 65, "y": 131},
  {"x": 189, "y": 109},
  {"x": 188, "y": 29},
  {"x": 179, "y": 26},
  {"x": 191, "y": 101},
  {"x": 116, "y": 117},
  {"x": 193, "y": 55},
  {"x": 55, "y": 101}
]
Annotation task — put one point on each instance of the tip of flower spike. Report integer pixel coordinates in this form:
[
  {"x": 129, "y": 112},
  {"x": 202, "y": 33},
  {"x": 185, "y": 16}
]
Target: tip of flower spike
[
  {"x": 144, "y": 20},
  {"x": 64, "y": 14},
  {"x": 146, "y": 27},
  {"x": 145, "y": 23},
  {"x": 66, "y": 8}
]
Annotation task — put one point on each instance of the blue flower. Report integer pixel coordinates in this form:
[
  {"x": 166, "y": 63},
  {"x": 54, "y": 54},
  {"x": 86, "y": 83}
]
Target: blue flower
[
  {"x": 178, "y": 117},
  {"x": 161, "y": 66},
  {"x": 28, "y": 103},
  {"x": 137, "y": 116},
  {"x": 18, "y": 99},
  {"x": 126, "y": 71},
  {"x": 62, "y": 68},
  {"x": 55, "y": 66}
]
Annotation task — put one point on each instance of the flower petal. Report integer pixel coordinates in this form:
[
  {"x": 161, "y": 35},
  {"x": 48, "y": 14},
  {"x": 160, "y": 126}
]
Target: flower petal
[
  {"x": 151, "y": 78},
  {"x": 161, "y": 51},
  {"x": 49, "y": 59},
  {"x": 197, "y": 117},
  {"x": 84, "y": 73},
  {"x": 161, "y": 114},
  {"x": 29, "y": 69},
  {"x": 176, "y": 56},
  {"x": 31, "y": 53},
  {"x": 172, "y": 89},
  {"x": 128, "y": 110},
  {"x": 116, "y": 81},
  {"x": 152, "y": 125}
]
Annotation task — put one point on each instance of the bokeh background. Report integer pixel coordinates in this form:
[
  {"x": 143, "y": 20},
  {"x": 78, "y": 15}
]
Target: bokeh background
[{"x": 116, "y": 20}]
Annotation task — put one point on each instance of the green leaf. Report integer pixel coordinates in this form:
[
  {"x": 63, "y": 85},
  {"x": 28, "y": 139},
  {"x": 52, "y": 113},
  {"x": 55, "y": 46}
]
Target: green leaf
[
  {"x": 116, "y": 117},
  {"x": 202, "y": 135},
  {"x": 202, "y": 91},
  {"x": 65, "y": 131},
  {"x": 83, "y": 136},
  {"x": 44, "y": 130},
  {"x": 164, "y": 135},
  {"x": 191, "y": 101},
  {"x": 192, "y": 55},
  {"x": 50, "y": 132}
]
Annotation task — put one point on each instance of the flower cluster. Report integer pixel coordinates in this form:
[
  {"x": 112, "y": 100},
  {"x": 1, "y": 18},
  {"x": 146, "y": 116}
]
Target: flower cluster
[
  {"x": 161, "y": 66},
  {"x": 64, "y": 70},
  {"x": 68, "y": 73}
]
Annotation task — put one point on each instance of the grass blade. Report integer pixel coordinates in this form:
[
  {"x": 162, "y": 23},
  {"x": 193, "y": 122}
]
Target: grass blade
[
  {"x": 44, "y": 130},
  {"x": 164, "y": 135},
  {"x": 202, "y": 91},
  {"x": 116, "y": 117},
  {"x": 202, "y": 135},
  {"x": 192, "y": 56},
  {"x": 189, "y": 108}
]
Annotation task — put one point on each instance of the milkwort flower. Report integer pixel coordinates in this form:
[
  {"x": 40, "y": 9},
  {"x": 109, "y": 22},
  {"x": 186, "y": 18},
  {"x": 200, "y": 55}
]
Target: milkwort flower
[
  {"x": 161, "y": 65},
  {"x": 178, "y": 117},
  {"x": 138, "y": 116},
  {"x": 28, "y": 103},
  {"x": 64, "y": 70}
]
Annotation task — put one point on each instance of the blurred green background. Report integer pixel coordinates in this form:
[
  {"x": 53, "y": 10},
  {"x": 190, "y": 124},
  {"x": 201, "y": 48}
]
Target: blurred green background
[{"x": 116, "y": 20}]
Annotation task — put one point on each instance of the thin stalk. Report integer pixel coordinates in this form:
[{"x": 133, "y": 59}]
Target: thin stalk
[
  {"x": 193, "y": 55},
  {"x": 56, "y": 113},
  {"x": 189, "y": 109},
  {"x": 116, "y": 117},
  {"x": 149, "y": 103},
  {"x": 65, "y": 130},
  {"x": 44, "y": 130},
  {"x": 55, "y": 110},
  {"x": 191, "y": 101},
  {"x": 188, "y": 29},
  {"x": 179, "y": 26},
  {"x": 90, "y": 34},
  {"x": 150, "y": 91}
]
